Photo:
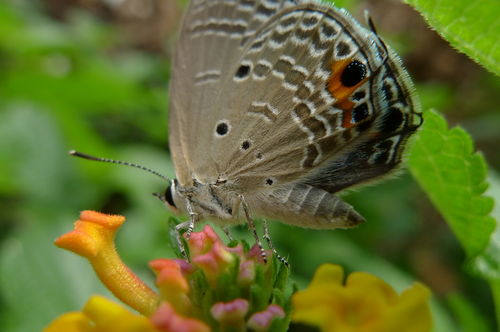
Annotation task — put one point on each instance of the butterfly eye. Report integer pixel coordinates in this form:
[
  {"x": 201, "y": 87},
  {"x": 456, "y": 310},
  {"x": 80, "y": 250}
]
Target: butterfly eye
[
  {"x": 354, "y": 73},
  {"x": 169, "y": 197}
]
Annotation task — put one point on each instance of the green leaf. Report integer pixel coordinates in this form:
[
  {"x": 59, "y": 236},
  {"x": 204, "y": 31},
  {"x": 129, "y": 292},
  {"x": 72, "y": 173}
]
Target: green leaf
[
  {"x": 454, "y": 176},
  {"x": 348, "y": 4},
  {"x": 493, "y": 248},
  {"x": 470, "y": 319},
  {"x": 471, "y": 26},
  {"x": 495, "y": 289}
]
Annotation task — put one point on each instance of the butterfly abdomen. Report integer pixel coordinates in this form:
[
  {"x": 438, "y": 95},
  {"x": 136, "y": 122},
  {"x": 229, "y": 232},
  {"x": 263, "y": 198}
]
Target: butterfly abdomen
[{"x": 307, "y": 206}]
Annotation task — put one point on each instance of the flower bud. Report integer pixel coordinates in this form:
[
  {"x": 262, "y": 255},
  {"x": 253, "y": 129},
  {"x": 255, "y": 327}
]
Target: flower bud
[
  {"x": 230, "y": 314},
  {"x": 261, "y": 321}
]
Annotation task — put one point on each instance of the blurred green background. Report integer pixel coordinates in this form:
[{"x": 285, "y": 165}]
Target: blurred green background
[{"x": 93, "y": 75}]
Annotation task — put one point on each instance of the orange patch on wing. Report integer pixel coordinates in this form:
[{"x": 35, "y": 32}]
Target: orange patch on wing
[
  {"x": 346, "y": 120},
  {"x": 340, "y": 92},
  {"x": 334, "y": 83},
  {"x": 337, "y": 89},
  {"x": 345, "y": 105}
]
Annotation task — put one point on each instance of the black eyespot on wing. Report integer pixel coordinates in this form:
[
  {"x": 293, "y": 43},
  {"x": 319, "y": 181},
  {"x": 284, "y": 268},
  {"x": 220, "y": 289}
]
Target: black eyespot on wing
[
  {"x": 354, "y": 73},
  {"x": 222, "y": 129},
  {"x": 359, "y": 95},
  {"x": 245, "y": 145},
  {"x": 360, "y": 113},
  {"x": 168, "y": 196},
  {"x": 269, "y": 182},
  {"x": 392, "y": 120},
  {"x": 243, "y": 71}
]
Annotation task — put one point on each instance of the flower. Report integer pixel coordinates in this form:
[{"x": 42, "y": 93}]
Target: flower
[
  {"x": 231, "y": 314},
  {"x": 216, "y": 289},
  {"x": 101, "y": 314},
  {"x": 364, "y": 303},
  {"x": 223, "y": 288},
  {"x": 214, "y": 262},
  {"x": 93, "y": 238},
  {"x": 166, "y": 319},
  {"x": 173, "y": 285},
  {"x": 261, "y": 321},
  {"x": 201, "y": 242},
  {"x": 246, "y": 274}
]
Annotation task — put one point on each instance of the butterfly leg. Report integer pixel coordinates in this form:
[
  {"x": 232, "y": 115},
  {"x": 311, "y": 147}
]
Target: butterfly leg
[
  {"x": 180, "y": 244},
  {"x": 251, "y": 226},
  {"x": 193, "y": 218},
  {"x": 189, "y": 225},
  {"x": 228, "y": 234},
  {"x": 267, "y": 237}
]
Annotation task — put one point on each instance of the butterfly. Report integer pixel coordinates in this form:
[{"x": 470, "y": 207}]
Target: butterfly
[{"x": 275, "y": 107}]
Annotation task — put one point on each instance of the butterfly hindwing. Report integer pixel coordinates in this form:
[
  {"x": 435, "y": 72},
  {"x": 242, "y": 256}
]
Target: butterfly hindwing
[
  {"x": 303, "y": 91},
  {"x": 382, "y": 152}
]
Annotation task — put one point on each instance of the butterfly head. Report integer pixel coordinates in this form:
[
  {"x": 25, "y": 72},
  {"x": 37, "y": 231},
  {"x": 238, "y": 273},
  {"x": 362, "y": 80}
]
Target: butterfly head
[
  {"x": 202, "y": 199},
  {"x": 171, "y": 197}
]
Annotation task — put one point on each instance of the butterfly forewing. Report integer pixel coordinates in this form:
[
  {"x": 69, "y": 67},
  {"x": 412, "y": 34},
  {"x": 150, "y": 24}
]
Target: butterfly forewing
[{"x": 211, "y": 41}]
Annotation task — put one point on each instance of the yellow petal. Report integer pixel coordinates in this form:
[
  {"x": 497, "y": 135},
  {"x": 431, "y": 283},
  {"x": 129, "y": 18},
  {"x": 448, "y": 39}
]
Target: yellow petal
[
  {"x": 328, "y": 274},
  {"x": 70, "y": 322},
  {"x": 111, "y": 317},
  {"x": 101, "y": 315},
  {"x": 370, "y": 283},
  {"x": 412, "y": 311}
]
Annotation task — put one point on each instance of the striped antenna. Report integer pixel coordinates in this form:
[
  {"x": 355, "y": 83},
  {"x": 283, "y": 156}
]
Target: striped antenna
[{"x": 119, "y": 162}]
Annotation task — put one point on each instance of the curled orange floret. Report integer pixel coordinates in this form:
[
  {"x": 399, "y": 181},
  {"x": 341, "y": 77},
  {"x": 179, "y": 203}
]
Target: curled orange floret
[{"x": 93, "y": 238}]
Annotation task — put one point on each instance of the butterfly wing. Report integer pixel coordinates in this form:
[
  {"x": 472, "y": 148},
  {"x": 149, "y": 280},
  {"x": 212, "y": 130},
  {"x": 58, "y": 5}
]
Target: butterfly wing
[
  {"x": 310, "y": 88},
  {"x": 211, "y": 41},
  {"x": 383, "y": 150},
  {"x": 288, "y": 103}
]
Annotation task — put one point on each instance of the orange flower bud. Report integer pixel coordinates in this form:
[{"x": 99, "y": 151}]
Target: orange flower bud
[{"x": 172, "y": 284}]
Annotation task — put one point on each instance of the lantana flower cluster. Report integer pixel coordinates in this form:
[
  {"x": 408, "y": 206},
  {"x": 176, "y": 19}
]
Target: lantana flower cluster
[
  {"x": 229, "y": 288},
  {"x": 220, "y": 288}
]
